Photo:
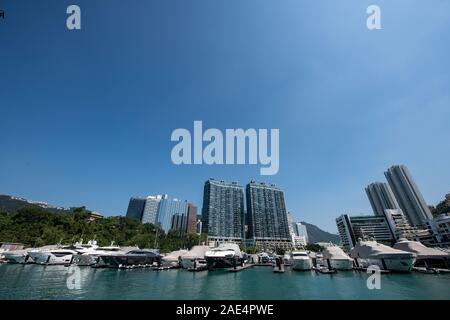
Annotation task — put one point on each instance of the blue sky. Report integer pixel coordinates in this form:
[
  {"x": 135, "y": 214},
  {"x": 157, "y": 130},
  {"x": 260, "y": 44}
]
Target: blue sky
[{"x": 86, "y": 116}]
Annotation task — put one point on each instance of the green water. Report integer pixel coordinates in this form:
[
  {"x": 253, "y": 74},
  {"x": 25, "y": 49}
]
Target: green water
[{"x": 50, "y": 282}]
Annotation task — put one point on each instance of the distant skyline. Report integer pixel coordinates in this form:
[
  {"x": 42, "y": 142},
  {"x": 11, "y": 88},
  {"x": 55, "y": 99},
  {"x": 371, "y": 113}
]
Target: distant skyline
[{"x": 87, "y": 115}]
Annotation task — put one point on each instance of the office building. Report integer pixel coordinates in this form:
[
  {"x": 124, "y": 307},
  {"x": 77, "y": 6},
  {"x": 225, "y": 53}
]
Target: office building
[
  {"x": 300, "y": 230},
  {"x": 267, "y": 216},
  {"x": 191, "y": 219},
  {"x": 136, "y": 208},
  {"x": 179, "y": 223},
  {"x": 150, "y": 214},
  {"x": 408, "y": 195},
  {"x": 168, "y": 208},
  {"x": 223, "y": 211},
  {"x": 381, "y": 198}
]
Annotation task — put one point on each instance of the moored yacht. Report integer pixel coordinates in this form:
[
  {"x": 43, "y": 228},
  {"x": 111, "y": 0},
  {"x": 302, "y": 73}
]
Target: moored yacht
[
  {"x": 59, "y": 256},
  {"x": 173, "y": 259},
  {"x": 425, "y": 257},
  {"x": 136, "y": 257},
  {"x": 195, "y": 257},
  {"x": 91, "y": 257},
  {"x": 300, "y": 260},
  {"x": 368, "y": 253},
  {"x": 226, "y": 255},
  {"x": 17, "y": 256},
  {"x": 335, "y": 258}
]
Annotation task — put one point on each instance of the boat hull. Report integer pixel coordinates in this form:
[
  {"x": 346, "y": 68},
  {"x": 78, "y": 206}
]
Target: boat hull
[
  {"x": 122, "y": 261},
  {"x": 390, "y": 264},
  {"x": 222, "y": 262},
  {"x": 339, "y": 264},
  {"x": 85, "y": 260},
  {"x": 17, "y": 259},
  {"x": 46, "y": 258},
  {"x": 301, "y": 264}
]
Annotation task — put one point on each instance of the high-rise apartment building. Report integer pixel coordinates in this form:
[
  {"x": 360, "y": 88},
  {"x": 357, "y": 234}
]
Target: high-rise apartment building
[
  {"x": 408, "y": 195},
  {"x": 223, "y": 211},
  {"x": 267, "y": 216},
  {"x": 381, "y": 198},
  {"x": 352, "y": 228}
]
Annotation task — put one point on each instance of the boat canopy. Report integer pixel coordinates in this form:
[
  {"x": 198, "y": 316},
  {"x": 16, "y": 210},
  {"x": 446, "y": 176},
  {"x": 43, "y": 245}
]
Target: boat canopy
[
  {"x": 420, "y": 250},
  {"x": 174, "y": 255},
  {"x": 334, "y": 252},
  {"x": 376, "y": 250},
  {"x": 197, "y": 252}
]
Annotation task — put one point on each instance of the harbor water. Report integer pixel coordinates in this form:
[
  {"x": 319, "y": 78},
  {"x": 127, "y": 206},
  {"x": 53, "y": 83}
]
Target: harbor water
[{"x": 51, "y": 282}]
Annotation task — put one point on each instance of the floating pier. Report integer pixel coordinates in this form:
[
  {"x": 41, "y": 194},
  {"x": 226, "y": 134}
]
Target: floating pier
[
  {"x": 279, "y": 269},
  {"x": 324, "y": 270},
  {"x": 240, "y": 268},
  {"x": 430, "y": 270},
  {"x": 365, "y": 270}
]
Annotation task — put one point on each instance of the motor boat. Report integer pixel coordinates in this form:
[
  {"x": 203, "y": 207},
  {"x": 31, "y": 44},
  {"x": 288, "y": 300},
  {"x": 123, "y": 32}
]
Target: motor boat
[
  {"x": 335, "y": 258},
  {"x": 173, "y": 259},
  {"x": 90, "y": 257},
  {"x": 263, "y": 257},
  {"x": 133, "y": 258},
  {"x": 195, "y": 258},
  {"x": 17, "y": 256},
  {"x": 425, "y": 257},
  {"x": 287, "y": 259},
  {"x": 58, "y": 256},
  {"x": 226, "y": 255},
  {"x": 61, "y": 255},
  {"x": 300, "y": 260},
  {"x": 369, "y": 253}
]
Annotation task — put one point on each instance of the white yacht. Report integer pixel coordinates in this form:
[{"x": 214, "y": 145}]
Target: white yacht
[
  {"x": 133, "y": 258},
  {"x": 59, "y": 256},
  {"x": 91, "y": 257},
  {"x": 17, "y": 256},
  {"x": 335, "y": 258},
  {"x": 2, "y": 251},
  {"x": 300, "y": 260},
  {"x": 195, "y": 258},
  {"x": 226, "y": 255},
  {"x": 173, "y": 259},
  {"x": 367, "y": 253},
  {"x": 425, "y": 257}
]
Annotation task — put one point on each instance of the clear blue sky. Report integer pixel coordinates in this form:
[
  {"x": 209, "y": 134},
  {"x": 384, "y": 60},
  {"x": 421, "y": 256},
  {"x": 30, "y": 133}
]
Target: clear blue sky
[{"x": 86, "y": 116}]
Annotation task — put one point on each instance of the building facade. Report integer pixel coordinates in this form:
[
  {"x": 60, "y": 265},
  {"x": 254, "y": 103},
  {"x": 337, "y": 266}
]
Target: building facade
[
  {"x": 267, "y": 219},
  {"x": 381, "y": 198},
  {"x": 401, "y": 228},
  {"x": 179, "y": 223},
  {"x": 168, "y": 208},
  {"x": 136, "y": 208},
  {"x": 223, "y": 211},
  {"x": 300, "y": 230},
  {"x": 150, "y": 214},
  {"x": 191, "y": 219},
  {"x": 352, "y": 228},
  {"x": 408, "y": 195},
  {"x": 440, "y": 228}
]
